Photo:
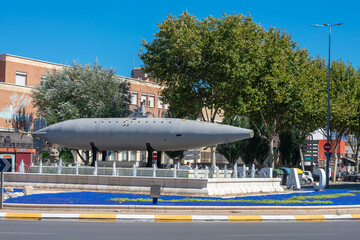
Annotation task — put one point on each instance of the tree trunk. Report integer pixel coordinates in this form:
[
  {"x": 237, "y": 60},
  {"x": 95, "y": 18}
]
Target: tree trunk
[
  {"x": 213, "y": 155},
  {"x": 336, "y": 162},
  {"x": 87, "y": 157},
  {"x": 158, "y": 159},
  {"x": 85, "y": 161},
  {"x": 301, "y": 158},
  {"x": 357, "y": 158},
  {"x": 271, "y": 155}
]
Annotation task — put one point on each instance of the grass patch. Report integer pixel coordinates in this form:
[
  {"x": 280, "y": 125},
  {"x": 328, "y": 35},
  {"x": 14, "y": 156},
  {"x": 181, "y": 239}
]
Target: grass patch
[
  {"x": 294, "y": 199},
  {"x": 266, "y": 201},
  {"x": 323, "y": 196},
  {"x": 354, "y": 191}
]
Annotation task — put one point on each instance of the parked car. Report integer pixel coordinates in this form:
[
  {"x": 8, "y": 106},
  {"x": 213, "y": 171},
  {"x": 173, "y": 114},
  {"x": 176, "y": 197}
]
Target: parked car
[
  {"x": 307, "y": 178},
  {"x": 355, "y": 177},
  {"x": 345, "y": 176}
]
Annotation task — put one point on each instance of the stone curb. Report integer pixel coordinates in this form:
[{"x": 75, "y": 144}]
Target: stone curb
[{"x": 177, "y": 218}]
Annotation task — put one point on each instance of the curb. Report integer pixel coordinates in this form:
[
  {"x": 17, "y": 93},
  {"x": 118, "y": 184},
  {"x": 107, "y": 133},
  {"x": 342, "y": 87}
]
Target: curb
[{"x": 177, "y": 218}]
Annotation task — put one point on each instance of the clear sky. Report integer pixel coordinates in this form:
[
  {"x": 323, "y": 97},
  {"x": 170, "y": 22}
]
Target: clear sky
[{"x": 111, "y": 31}]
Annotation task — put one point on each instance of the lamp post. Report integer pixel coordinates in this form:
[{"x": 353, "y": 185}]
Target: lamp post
[{"x": 328, "y": 154}]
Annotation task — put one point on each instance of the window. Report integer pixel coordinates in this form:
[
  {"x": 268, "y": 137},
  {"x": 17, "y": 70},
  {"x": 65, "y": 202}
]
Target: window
[
  {"x": 124, "y": 156},
  {"x": 151, "y": 100},
  {"x": 43, "y": 81},
  {"x": 132, "y": 156},
  {"x": 143, "y": 156},
  {"x": 160, "y": 102},
  {"x": 166, "y": 106},
  {"x": 134, "y": 96},
  {"x": 20, "y": 78},
  {"x": 143, "y": 98}
]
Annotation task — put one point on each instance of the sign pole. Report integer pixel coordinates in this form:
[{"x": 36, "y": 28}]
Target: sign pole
[{"x": 2, "y": 190}]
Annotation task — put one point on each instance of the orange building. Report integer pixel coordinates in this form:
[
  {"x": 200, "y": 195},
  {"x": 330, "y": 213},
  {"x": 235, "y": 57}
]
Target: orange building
[
  {"x": 340, "y": 149},
  {"x": 343, "y": 158}
]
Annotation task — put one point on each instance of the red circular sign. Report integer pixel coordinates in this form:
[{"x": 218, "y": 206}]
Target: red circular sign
[{"x": 327, "y": 147}]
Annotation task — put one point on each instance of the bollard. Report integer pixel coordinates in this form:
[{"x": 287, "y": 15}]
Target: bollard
[{"x": 155, "y": 193}]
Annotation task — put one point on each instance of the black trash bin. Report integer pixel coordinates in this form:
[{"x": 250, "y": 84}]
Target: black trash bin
[
  {"x": 277, "y": 173},
  {"x": 284, "y": 179}
]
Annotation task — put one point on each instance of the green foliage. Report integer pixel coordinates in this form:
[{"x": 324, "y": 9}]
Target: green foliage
[
  {"x": 250, "y": 150},
  {"x": 344, "y": 102},
  {"x": 294, "y": 199},
  {"x": 232, "y": 151},
  {"x": 345, "y": 96},
  {"x": 289, "y": 148},
  {"x": 66, "y": 156},
  {"x": 45, "y": 155},
  {"x": 323, "y": 196},
  {"x": 256, "y": 149},
  {"x": 198, "y": 60},
  {"x": 181, "y": 113},
  {"x": 175, "y": 154},
  {"x": 266, "y": 201},
  {"x": 235, "y": 67},
  {"x": 81, "y": 91}
]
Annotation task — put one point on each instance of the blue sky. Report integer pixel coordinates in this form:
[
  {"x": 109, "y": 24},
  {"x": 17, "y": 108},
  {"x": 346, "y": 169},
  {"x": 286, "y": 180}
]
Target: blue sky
[{"x": 111, "y": 31}]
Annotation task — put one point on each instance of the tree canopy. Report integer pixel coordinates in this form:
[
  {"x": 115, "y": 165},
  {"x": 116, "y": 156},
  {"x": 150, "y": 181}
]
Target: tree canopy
[
  {"x": 81, "y": 91},
  {"x": 344, "y": 102},
  {"x": 198, "y": 60},
  {"x": 233, "y": 66},
  {"x": 251, "y": 150}
]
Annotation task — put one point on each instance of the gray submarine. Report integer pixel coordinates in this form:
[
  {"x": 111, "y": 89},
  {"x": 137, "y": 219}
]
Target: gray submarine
[{"x": 137, "y": 132}]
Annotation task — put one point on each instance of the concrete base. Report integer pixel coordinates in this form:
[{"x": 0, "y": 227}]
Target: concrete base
[{"x": 183, "y": 186}]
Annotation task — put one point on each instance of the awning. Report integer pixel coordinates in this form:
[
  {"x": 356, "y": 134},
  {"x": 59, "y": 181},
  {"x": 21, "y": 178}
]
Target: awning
[{"x": 344, "y": 159}]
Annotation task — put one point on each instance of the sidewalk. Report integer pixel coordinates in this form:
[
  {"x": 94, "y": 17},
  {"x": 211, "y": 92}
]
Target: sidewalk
[
  {"x": 161, "y": 213},
  {"x": 178, "y": 218}
]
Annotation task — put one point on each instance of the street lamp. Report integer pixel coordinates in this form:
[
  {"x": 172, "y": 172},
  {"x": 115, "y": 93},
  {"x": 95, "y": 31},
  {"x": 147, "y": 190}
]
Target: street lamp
[{"x": 328, "y": 154}]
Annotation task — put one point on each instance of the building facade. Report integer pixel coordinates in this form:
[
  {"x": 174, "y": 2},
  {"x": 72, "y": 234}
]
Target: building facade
[
  {"x": 346, "y": 157},
  {"x": 19, "y": 75}
]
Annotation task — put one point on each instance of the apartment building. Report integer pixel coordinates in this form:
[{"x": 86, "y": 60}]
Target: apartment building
[{"x": 19, "y": 75}]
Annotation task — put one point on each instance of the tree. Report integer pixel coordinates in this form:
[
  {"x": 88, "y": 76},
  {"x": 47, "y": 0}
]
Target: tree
[
  {"x": 290, "y": 155},
  {"x": 250, "y": 150},
  {"x": 230, "y": 66},
  {"x": 311, "y": 114},
  {"x": 343, "y": 102},
  {"x": 232, "y": 151},
  {"x": 346, "y": 75},
  {"x": 354, "y": 128},
  {"x": 81, "y": 91},
  {"x": 195, "y": 60},
  {"x": 273, "y": 95}
]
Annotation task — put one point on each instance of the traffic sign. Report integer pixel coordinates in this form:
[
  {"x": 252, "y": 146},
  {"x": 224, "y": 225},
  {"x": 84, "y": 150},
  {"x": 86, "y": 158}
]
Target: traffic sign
[
  {"x": 327, "y": 147},
  {"x": 5, "y": 164}
]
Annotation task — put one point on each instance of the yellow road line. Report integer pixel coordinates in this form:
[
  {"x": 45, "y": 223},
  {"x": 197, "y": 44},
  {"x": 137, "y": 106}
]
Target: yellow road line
[
  {"x": 250, "y": 218},
  {"x": 33, "y": 216},
  {"x": 173, "y": 218},
  {"x": 310, "y": 218},
  {"x": 97, "y": 217},
  {"x": 356, "y": 216}
]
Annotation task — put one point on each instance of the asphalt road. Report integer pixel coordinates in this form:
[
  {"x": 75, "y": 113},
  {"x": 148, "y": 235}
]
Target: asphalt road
[{"x": 54, "y": 230}]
